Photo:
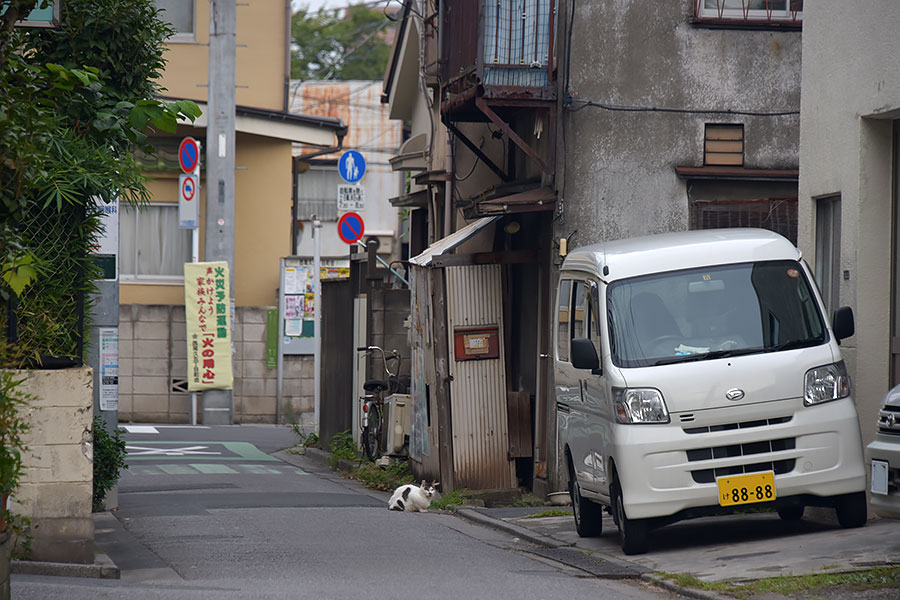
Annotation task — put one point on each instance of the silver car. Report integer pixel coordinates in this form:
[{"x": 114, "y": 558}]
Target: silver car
[{"x": 884, "y": 458}]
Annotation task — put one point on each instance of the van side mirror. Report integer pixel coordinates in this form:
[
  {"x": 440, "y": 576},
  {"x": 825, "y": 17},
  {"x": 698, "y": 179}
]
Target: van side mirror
[
  {"x": 584, "y": 355},
  {"x": 842, "y": 323}
]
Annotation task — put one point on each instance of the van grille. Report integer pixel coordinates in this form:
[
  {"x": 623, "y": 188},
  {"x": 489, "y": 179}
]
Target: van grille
[
  {"x": 732, "y": 426},
  {"x": 780, "y": 467},
  {"x": 737, "y": 450}
]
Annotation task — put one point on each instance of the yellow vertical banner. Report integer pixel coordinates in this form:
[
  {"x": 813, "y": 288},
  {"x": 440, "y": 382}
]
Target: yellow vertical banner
[{"x": 207, "y": 311}]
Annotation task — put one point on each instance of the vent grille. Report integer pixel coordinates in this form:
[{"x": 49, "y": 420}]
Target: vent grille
[
  {"x": 780, "y": 467},
  {"x": 179, "y": 385},
  {"x": 732, "y": 426}
]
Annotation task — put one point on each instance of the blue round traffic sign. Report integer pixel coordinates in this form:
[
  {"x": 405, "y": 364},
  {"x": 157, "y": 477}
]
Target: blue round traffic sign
[
  {"x": 352, "y": 166},
  {"x": 188, "y": 155},
  {"x": 350, "y": 228}
]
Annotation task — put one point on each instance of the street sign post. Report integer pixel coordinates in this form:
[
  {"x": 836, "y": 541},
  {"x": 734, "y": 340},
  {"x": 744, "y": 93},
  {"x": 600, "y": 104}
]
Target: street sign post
[
  {"x": 188, "y": 155},
  {"x": 188, "y": 206},
  {"x": 352, "y": 166},
  {"x": 350, "y": 197},
  {"x": 350, "y": 228}
]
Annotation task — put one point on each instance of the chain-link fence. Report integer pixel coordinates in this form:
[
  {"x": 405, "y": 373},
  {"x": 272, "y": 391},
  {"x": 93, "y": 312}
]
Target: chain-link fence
[{"x": 45, "y": 325}]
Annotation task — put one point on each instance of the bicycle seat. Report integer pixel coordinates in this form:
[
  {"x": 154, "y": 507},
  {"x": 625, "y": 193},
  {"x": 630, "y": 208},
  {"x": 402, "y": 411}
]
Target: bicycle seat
[{"x": 375, "y": 385}]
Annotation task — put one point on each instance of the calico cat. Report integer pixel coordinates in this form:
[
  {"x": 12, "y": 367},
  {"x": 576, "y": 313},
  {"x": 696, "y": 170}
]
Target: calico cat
[{"x": 411, "y": 497}]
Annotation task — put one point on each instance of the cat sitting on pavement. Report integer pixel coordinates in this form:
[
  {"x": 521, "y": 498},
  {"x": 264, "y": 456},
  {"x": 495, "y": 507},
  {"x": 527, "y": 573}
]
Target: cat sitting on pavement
[{"x": 411, "y": 497}]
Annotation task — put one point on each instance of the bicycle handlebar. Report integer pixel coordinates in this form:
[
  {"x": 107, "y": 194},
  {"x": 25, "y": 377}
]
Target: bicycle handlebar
[{"x": 384, "y": 358}]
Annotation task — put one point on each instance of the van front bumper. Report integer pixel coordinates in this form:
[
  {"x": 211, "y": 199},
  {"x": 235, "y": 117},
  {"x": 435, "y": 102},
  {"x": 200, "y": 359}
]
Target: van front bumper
[{"x": 666, "y": 469}]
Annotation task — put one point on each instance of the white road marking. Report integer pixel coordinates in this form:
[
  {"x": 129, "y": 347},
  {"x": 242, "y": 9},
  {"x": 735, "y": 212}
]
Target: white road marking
[
  {"x": 186, "y": 451},
  {"x": 139, "y": 428}
]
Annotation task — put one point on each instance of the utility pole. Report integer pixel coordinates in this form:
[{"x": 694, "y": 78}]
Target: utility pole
[{"x": 218, "y": 405}]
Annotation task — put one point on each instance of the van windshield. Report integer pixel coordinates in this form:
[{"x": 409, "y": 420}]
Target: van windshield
[{"x": 712, "y": 312}]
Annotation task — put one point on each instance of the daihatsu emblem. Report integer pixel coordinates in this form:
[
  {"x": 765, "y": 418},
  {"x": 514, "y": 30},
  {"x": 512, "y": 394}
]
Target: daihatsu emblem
[{"x": 734, "y": 394}]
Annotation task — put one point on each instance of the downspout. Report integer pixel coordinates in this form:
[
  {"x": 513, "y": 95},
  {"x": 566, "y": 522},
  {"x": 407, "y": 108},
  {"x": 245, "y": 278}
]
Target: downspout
[{"x": 287, "y": 56}]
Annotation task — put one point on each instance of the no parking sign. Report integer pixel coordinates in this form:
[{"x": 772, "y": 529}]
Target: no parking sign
[{"x": 350, "y": 228}]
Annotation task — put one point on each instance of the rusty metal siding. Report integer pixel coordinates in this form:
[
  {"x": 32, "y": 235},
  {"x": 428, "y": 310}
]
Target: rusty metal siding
[{"x": 478, "y": 387}]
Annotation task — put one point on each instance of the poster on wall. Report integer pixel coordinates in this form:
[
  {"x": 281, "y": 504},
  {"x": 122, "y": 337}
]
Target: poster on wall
[
  {"x": 207, "y": 308},
  {"x": 109, "y": 368}
]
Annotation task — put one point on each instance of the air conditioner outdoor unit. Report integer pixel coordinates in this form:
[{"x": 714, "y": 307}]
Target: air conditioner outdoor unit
[{"x": 398, "y": 413}]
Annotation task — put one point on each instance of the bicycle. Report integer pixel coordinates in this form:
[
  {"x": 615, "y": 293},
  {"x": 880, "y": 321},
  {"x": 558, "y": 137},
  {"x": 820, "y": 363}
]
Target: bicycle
[{"x": 372, "y": 403}]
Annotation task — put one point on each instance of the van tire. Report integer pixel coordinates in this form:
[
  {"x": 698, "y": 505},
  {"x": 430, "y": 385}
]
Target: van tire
[
  {"x": 851, "y": 510},
  {"x": 588, "y": 514},
  {"x": 633, "y": 533}
]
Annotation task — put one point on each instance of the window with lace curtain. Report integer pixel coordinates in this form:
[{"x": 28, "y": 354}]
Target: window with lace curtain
[{"x": 152, "y": 247}]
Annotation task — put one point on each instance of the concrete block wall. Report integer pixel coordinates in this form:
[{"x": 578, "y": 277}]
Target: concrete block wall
[
  {"x": 153, "y": 369},
  {"x": 56, "y": 490}
]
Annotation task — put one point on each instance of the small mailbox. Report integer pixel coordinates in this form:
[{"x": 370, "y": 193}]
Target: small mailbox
[{"x": 477, "y": 343}]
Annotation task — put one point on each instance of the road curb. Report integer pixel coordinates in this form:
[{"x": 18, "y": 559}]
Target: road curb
[
  {"x": 683, "y": 591},
  {"x": 511, "y": 528},
  {"x": 102, "y": 568}
]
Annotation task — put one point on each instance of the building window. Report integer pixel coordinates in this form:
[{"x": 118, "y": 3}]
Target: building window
[
  {"x": 152, "y": 245},
  {"x": 180, "y": 15},
  {"x": 317, "y": 194},
  {"x": 756, "y": 11},
  {"x": 723, "y": 145},
  {"x": 775, "y": 214},
  {"x": 828, "y": 250}
]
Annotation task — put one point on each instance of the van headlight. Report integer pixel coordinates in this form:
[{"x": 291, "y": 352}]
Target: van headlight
[
  {"x": 639, "y": 405},
  {"x": 826, "y": 383}
]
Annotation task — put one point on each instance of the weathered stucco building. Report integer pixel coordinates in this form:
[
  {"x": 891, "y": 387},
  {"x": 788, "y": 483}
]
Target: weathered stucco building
[{"x": 850, "y": 168}]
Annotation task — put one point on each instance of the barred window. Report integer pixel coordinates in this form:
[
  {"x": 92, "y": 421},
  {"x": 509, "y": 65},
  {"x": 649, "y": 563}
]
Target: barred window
[
  {"x": 317, "y": 194},
  {"x": 758, "y": 11}
]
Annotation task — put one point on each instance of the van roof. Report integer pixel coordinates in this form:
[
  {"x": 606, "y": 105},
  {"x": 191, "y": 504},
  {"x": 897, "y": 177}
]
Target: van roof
[{"x": 679, "y": 250}]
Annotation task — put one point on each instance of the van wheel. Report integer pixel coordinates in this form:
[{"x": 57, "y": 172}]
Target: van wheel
[
  {"x": 851, "y": 510},
  {"x": 633, "y": 533},
  {"x": 588, "y": 514},
  {"x": 791, "y": 513}
]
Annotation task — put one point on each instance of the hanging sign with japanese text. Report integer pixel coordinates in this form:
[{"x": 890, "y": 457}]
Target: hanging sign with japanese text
[{"x": 207, "y": 307}]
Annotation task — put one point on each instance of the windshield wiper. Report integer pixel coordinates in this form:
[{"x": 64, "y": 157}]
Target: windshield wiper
[
  {"x": 711, "y": 355},
  {"x": 793, "y": 344}
]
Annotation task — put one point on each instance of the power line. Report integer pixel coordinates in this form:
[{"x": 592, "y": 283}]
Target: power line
[{"x": 689, "y": 111}]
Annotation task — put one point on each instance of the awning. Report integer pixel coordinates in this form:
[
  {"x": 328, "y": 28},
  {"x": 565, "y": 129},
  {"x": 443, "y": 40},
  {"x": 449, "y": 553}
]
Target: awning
[
  {"x": 417, "y": 199},
  {"x": 311, "y": 130},
  {"x": 453, "y": 240}
]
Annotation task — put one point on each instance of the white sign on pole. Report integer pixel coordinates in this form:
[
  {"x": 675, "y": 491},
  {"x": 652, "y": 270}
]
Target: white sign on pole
[
  {"x": 188, "y": 201},
  {"x": 109, "y": 368},
  {"x": 351, "y": 198}
]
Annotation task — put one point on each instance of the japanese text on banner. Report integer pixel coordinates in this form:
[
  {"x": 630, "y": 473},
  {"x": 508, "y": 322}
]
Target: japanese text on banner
[{"x": 207, "y": 308}]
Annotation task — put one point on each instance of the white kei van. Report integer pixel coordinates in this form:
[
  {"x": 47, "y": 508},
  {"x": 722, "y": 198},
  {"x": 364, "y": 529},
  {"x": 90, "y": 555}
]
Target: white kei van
[{"x": 695, "y": 375}]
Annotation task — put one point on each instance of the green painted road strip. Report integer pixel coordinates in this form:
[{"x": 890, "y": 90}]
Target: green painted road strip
[
  {"x": 196, "y": 469},
  {"x": 211, "y": 469}
]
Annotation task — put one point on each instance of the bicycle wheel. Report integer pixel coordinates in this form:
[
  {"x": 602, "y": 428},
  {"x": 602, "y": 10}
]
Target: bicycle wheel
[{"x": 371, "y": 435}]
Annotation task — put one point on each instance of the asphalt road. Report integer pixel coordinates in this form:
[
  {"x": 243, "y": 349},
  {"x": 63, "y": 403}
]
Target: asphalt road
[{"x": 210, "y": 513}]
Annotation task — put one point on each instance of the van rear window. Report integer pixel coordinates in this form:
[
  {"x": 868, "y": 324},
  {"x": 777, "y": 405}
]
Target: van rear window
[{"x": 713, "y": 312}]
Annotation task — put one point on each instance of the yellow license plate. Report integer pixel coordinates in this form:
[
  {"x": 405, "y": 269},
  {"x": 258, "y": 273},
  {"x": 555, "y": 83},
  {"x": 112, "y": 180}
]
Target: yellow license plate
[{"x": 746, "y": 489}]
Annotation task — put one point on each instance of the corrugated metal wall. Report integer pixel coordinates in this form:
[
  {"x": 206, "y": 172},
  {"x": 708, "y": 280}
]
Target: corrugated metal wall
[{"x": 478, "y": 387}]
